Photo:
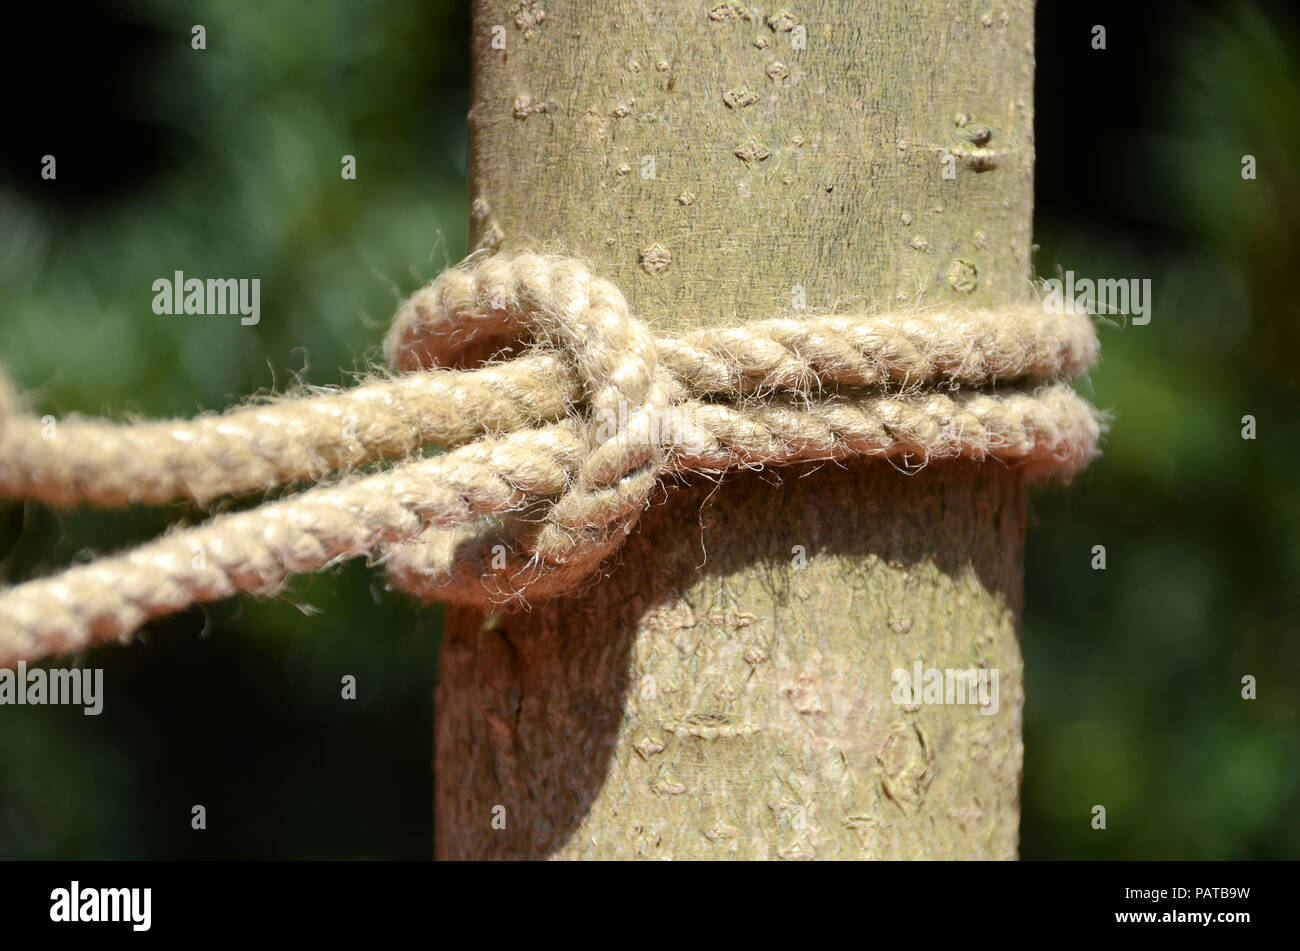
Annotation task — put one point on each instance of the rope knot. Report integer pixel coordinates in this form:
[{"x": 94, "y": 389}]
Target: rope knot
[
  {"x": 470, "y": 315},
  {"x": 561, "y": 413}
]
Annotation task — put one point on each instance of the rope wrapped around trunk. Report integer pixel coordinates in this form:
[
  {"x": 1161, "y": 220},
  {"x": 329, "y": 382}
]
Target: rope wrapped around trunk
[{"x": 560, "y": 413}]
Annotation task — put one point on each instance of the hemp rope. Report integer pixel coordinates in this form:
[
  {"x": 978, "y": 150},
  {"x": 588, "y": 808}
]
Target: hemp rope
[{"x": 552, "y": 454}]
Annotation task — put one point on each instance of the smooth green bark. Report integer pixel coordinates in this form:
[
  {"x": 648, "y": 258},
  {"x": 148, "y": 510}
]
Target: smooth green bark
[{"x": 725, "y": 689}]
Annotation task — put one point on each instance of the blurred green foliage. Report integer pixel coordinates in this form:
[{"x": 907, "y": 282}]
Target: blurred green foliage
[
  {"x": 226, "y": 162},
  {"x": 1134, "y": 672}
]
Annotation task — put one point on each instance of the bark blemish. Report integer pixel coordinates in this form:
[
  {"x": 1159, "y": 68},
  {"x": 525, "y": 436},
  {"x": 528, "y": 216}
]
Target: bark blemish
[
  {"x": 783, "y": 22},
  {"x": 805, "y": 695},
  {"x": 711, "y": 726},
  {"x": 648, "y": 748},
  {"x": 524, "y": 107},
  {"x": 739, "y": 98},
  {"x": 655, "y": 259},
  {"x": 720, "y": 830},
  {"x": 669, "y": 787},
  {"x": 752, "y": 152},
  {"x": 529, "y": 16},
  {"x": 594, "y": 124},
  {"x": 906, "y": 761},
  {"x": 962, "y": 275},
  {"x": 728, "y": 11}
]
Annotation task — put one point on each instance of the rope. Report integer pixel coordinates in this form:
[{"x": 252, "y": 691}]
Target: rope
[
  {"x": 285, "y": 441},
  {"x": 552, "y": 454}
]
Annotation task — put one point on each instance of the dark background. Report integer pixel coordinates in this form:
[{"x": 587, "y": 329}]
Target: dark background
[{"x": 226, "y": 162}]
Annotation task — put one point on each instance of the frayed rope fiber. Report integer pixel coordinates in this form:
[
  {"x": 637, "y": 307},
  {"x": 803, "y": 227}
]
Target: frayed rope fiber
[{"x": 560, "y": 412}]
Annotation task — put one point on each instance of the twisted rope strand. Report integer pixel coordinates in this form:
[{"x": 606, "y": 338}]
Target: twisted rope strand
[
  {"x": 461, "y": 319},
  {"x": 469, "y": 313},
  {"x": 255, "y": 550},
  {"x": 531, "y": 507},
  {"x": 290, "y": 440},
  {"x": 420, "y": 512},
  {"x": 1052, "y": 426}
]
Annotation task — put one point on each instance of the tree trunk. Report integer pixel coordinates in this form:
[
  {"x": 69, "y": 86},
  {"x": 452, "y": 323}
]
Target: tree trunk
[{"x": 724, "y": 689}]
